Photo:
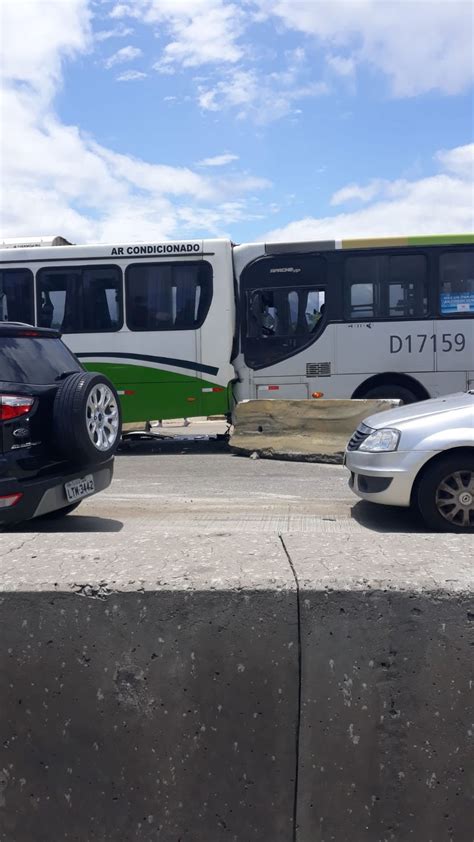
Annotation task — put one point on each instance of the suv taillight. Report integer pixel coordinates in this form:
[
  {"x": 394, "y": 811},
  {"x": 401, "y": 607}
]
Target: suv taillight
[
  {"x": 8, "y": 500},
  {"x": 13, "y": 406}
]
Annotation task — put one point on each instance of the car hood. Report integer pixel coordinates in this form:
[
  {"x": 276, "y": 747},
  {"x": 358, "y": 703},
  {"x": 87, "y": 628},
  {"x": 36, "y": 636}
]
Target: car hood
[{"x": 423, "y": 409}]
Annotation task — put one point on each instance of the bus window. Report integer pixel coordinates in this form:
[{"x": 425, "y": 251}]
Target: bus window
[
  {"x": 283, "y": 312},
  {"x": 386, "y": 286},
  {"x": 315, "y": 307},
  {"x": 280, "y": 321},
  {"x": 16, "y": 295},
  {"x": 58, "y": 306},
  {"x": 407, "y": 286},
  {"x": 361, "y": 278},
  {"x": 362, "y": 301},
  {"x": 456, "y": 283},
  {"x": 282, "y": 298},
  {"x": 168, "y": 296},
  {"x": 102, "y": 291},
  {"x": 80, "y": 299}
]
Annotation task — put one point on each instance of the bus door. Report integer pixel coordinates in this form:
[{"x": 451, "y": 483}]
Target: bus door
[
  {"x": 283, "y": 320},
  {"x": 180, "y": 316},
  {"x": 166, "y": 304},
  {"x": 454, "y": 332}
]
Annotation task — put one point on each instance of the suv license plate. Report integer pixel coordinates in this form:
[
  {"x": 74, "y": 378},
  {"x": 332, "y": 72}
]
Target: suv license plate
[{"x": 78, "y": 488}]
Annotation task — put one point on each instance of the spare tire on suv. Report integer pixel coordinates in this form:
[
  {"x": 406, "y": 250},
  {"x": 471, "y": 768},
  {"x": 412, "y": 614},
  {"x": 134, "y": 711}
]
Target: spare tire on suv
[{"x": 87, "y": 417}]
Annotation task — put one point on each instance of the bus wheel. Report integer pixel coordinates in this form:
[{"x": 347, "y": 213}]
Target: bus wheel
[{"x": 394, "y": 392}]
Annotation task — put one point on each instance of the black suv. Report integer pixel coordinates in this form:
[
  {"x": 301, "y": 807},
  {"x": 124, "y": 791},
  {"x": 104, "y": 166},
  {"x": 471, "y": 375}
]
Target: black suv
[{"x": 59, "y": 426}]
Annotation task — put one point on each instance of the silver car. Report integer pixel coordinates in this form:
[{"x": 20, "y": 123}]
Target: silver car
[{"x": 419, "y": 455}]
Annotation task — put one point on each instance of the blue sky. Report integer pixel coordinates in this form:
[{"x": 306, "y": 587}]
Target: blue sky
[{"x": 258, "y": 119}]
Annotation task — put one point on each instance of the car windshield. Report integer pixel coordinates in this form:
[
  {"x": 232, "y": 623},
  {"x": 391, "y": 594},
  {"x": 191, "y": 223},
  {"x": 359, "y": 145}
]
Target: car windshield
[{"x": 36, "y": 360}]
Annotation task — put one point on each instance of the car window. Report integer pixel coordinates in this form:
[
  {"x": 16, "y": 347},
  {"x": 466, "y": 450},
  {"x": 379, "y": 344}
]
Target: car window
[{"x": 36, "y": 360}]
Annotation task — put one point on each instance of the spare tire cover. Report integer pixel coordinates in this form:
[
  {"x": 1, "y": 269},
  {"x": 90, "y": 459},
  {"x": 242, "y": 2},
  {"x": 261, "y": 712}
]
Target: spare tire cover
[{"x": 87, "y": 417}]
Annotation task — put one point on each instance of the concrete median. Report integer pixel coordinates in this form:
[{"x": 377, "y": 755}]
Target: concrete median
[
  {"x": 132, "y": 710},
  {"x": 225, "y": 686},
  {"x": 386, "y": 740},
  {"x": 309, "y": 430}
]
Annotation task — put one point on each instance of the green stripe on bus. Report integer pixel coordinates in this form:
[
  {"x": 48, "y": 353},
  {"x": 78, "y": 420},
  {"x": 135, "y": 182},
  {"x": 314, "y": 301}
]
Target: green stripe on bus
[
  {"x": 153, "y": 393},
  {"x": 426, "y": 240},
  {"x": 442, "y": 240}
]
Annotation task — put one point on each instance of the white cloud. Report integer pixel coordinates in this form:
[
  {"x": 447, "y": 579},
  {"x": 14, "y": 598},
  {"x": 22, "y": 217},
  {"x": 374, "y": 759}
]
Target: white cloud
[
  {"x": 356, "y": 192},
  {"x": 123, "y": 10},
  {"x": 120, "y": 31},
  {"x": 131, "y": 76},
  {"x": 56, "y": 178},
  {"x": 37, "y": 37},
  {"x": 211, "y": 32},
  {"x": 439, "y": 204},
  {"x": 122, "y": 56},
  {"x": 420, "y": 46},
  {"x": 262, "y": 99},
  {"x": 218, "y": 219},
  {"x": 200, "y": 41},
  {"x": 218, "y": 160},
  {"x": 62, "y": 180},
  {"x": 341, "y": 65},
  {"x": 199, "y": 31},
  {"x": 459, "y": 160}
]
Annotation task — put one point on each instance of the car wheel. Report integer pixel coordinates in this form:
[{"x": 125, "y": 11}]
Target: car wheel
[
  {"x": 57, "y": 513},
  {"x": 400, "y": 393},
  {"x": 445, "y": 495},
  {"x": 87, "y": 417}
]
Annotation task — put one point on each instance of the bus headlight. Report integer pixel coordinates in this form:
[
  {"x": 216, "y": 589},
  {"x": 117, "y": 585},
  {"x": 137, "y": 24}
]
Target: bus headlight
[{"x": 381, "y": 441}]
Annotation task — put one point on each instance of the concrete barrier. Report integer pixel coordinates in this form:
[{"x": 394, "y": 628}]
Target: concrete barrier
[
  {"x": 230, "y": 685},
  {"x": 387, "y": 677},
  {"x": 310, "y": 430},
  {"x": 153, "y": 700}
]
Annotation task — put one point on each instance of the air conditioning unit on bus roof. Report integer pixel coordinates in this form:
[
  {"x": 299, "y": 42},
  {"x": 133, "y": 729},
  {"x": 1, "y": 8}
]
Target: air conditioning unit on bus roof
[{"x": 30, "y": 242}]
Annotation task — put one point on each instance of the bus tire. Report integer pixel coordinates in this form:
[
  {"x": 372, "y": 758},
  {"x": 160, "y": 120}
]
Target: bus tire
[
  {"x": 440, "y": 492},
  {"x": 395, "y": 392},
  {"x": 87, "y": 418}
]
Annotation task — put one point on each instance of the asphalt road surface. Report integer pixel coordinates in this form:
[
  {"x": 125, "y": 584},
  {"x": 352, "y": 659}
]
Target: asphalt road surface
[
  {"x": 192, "y": 514},
  {"x": 180, "y": 485}
]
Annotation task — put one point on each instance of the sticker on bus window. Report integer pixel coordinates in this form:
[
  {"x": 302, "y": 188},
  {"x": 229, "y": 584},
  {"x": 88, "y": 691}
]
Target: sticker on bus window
[{"x": 457, "y": 302}]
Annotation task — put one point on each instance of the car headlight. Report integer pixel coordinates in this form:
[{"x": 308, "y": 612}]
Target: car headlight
[{"x": 381, "y": 441}]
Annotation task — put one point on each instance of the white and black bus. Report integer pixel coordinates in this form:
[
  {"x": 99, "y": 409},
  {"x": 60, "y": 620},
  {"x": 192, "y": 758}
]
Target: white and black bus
[{"x": 185, "y": 328}]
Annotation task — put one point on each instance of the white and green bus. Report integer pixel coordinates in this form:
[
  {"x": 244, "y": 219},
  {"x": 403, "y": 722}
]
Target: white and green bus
[{"x": 186, "y": 328}]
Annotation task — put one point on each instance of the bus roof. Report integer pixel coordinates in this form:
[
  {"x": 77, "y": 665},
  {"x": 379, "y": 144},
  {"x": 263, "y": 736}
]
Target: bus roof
[
  {"x": 370, "y": 243},
  {"x": 174, "y": 246},
  {"x": 33, "y": 242}
]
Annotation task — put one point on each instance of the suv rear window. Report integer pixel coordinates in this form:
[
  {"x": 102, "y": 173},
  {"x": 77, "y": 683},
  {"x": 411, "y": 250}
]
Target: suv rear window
[{"x": 36, "y": 360}]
